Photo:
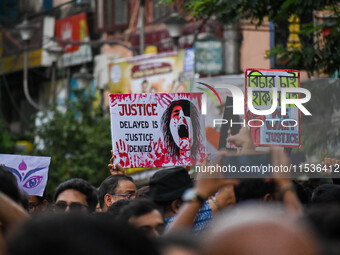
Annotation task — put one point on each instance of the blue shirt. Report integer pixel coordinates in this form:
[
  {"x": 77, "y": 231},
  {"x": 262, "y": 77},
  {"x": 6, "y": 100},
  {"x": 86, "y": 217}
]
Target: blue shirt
[{"x": 203, "y": 218}]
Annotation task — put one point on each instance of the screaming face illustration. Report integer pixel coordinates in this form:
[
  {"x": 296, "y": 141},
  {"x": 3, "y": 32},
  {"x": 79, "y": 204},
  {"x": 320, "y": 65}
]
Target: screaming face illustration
[{"x": 181, "y": 128}]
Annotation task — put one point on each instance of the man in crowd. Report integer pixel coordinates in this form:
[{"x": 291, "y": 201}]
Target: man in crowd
[
  {"x": 143, "y": 214},
  {"x": 11, "y": 208},
  {"x": 114, "y": 188},
  {"x": 166, "y": 190},
  {"x": 75, "y": 195},
  {"x": 36, "y": 204}
]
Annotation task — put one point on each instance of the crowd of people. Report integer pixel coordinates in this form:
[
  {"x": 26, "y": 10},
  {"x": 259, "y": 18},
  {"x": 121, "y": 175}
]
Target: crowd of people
[{"x": 175, "y": 214}]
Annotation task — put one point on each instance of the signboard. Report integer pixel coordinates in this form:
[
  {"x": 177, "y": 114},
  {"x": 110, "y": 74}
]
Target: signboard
[
  {"x": 273, "y": 129},
  {"x": 150, "y": 73},
  {"x": 208, "y": 56},
  {"x": 74, "y": 28},
  {"x": 154, "y": 130},
  {"x": 31, "y": 172},
  {"x": 11, "y": 47}
]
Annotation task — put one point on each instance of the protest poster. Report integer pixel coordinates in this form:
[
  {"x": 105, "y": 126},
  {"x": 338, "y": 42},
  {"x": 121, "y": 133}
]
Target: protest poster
[
  {"x": 31, "y": 172},
  {"x": 274, "y": 129},
  {"x": 157, "y": 129}
]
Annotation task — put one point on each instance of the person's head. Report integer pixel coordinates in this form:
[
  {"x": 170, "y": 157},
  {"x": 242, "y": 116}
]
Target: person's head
[
  {"x": 301, "y": 192},
  {"x": 325, "y": 221},
  {"x": 75, "y": 194},
  {"x": 114, "y": 188},
  {"x": 254, "y": 189},
  {"x": 143, "y": 214},
  {"x": 145, "y": 86},
  {"x": 143, "y": 192},
  {"x": 181, "y": 128},
  {"x": 115, "y": 208},
  {"x": 327, "y": 193},
  {"x": 69, "y": 234},
  {"x": 259, "y": 230},
  {"x": 24, "y": 200},
  {"x": 8, "y": 185},
  {"x": 36, "y": 204},
  {"x": 166, "y": 188}
]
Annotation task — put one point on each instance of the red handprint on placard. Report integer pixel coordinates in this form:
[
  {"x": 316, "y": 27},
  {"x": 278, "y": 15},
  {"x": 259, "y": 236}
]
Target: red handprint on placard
[
  {"x": 123, "y": 152},
  {"x": 184, "y": 157},
  {"x": 150, "y": 157},
  {"x": 158, "y": 155}
]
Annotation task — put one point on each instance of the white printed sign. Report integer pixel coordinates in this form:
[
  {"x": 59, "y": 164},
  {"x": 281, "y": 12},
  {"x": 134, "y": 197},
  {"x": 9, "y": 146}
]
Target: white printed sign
[
  {"x": 157, "y": 129},
  {"x": 31, "y": 172}
]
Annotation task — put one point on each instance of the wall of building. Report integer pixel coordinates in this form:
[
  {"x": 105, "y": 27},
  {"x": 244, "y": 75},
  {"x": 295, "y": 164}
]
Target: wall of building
[{"x": 256, "y": 41}]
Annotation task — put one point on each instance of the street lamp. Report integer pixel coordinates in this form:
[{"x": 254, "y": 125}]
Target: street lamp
[
  {"x": 56, "y": 51},
  {"x": 175, "y": 24},
  {"x": 26, "y": 31}
]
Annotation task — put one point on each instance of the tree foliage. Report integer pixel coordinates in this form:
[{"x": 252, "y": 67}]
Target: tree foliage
[
  {"x": 321, "y": 131},
  {"x": 323, "y": 55},
  {"x": 78, "y": 141},
  {"x": 7, "y": 144}
]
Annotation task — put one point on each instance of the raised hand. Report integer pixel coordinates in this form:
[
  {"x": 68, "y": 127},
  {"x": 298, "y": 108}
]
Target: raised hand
[{"x": 243, "y": 139}]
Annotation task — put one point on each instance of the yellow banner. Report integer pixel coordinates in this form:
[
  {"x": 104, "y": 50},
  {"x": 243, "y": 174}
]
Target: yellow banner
[{"x": 15, "y": 63}]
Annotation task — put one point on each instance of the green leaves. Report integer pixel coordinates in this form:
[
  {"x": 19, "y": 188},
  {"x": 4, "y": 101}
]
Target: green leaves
[
  {"x": 321, "y": 131},
  {"x": 321, "y": 56},
  {"x": 7, "y": 144},
  {"x": 79, "y": 142}
]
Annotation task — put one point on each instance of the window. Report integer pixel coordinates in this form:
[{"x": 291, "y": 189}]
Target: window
[
  {"x": 112, "y": 15},
  {"x": 121, "y": 12}
]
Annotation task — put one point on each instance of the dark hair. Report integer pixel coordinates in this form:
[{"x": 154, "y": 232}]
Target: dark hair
[
  {"x": 83, "y": 187},
  {"x": 41, "y": 199},
  {"x": 327, "y": 193},
  {"x": 8, "y": 185},
  {"x": 143, "y": 192},
  {"x": 301, "y": 192},
  {"x": 69, "y": 234},
  {"x": 169, "y": 184},
  {"x": 324, "y": 220},
  {"x": 24, "y": 200},
  {"x": 252, "y": 189},
  {"x": 136, "y": 208},
  {"x": 165, "y": 206},
  {"x": 115, "y": 208},
  {"x": 109, "y": 185},
  {"x": 190, "y": 110}
]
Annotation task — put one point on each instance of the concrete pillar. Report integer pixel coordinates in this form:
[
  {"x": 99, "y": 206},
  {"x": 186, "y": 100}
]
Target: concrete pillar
[{"x": 232, "y": 46}]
